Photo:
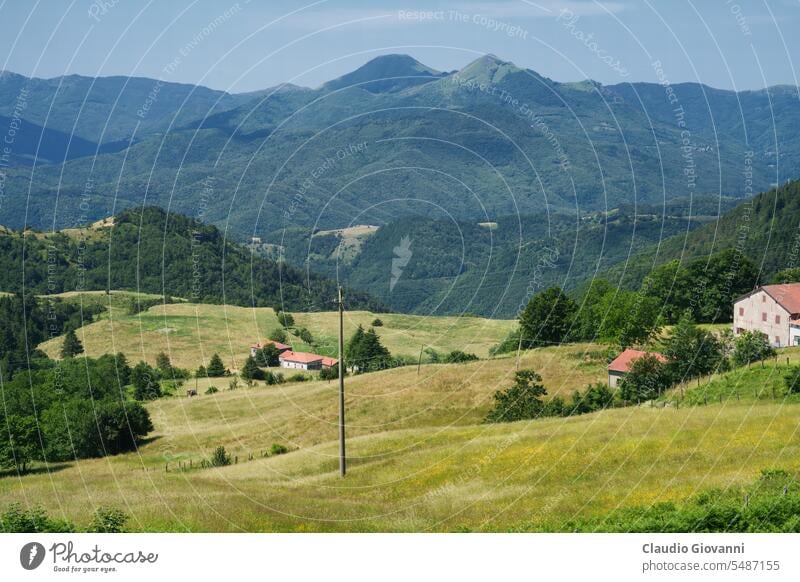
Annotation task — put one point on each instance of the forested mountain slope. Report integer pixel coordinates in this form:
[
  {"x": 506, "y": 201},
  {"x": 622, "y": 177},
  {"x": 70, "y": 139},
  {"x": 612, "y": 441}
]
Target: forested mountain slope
[{"x": 152, "y": 251}]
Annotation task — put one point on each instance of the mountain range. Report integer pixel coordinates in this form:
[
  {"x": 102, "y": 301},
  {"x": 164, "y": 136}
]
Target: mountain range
[
  {"x": 489, "y": 174},
  {"x": 393, "y": 137}
]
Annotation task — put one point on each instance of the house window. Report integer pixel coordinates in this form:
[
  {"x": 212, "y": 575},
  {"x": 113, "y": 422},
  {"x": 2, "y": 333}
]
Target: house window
[
  {"x": 777, "y": 319},
  {"x": 763, "y": 299},
  {"x": 777, "y": 341},
  {"x": 741, "y": 311},
  {"x": 763, "y": 316}
]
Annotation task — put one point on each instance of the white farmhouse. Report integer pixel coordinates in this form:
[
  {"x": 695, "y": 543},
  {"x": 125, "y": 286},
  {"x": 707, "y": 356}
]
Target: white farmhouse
[
  {"x": 773, "y": 310},
  {"x": 300, "y": 360}
]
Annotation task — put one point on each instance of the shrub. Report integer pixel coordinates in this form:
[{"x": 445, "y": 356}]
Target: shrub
[
  {"x": 305, "y": 335},
  {"x": 459, "y": 357},
  {"x": 278, "y": 335},
  {"x": 285, "y": 319},
  {"x": 433, "y": 356},
  {"x": 792, "y": 380},
  {"x": 35, "y": 520},
  {"x": 108, "y": 520},
  {"x": 277, "y": 449},
  {"x": 170, "y": 387},
  {"x": 220, "y": 457},
  {"x": 233, "y": 384},
  {"x": 596, "y": 397},
  {"x": 212, "y": 390},
  {"x": 377, "y": 322},
  {"x": 298, "y": 377},
  {"x": 331, "y": 373},
  {"x": 751, "y": 346},
  {"x": 272, "y": 378},
  {"x": 520, "y": 402}
]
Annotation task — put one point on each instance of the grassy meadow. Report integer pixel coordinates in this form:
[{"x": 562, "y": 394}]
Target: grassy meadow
[
  {"x": 420, "y": 459},
  {"x": 190, "y": 333}
]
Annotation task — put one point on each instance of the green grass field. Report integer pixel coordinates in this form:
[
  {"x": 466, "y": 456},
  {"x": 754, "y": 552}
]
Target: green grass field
[{"x": 419, "y": 458}]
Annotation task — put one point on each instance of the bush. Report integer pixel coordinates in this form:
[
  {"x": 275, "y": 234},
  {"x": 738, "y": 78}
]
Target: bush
[
  {"x": 596, "y": 397},
  {"x": 459, "y": 357},
  {"x": 520, "y": 402},
  {"x": 212, "y": 390},
  {"x": 285, "y": 319},
  {"x": 272, "y": 378},
  {"x": 277, "y": 449},
  {"x": 751, "y": 346},
  {"x": 377, "y": 322},
  {"x": 108, "y": 520},
  {"x": 433, "y": 356},
  {"x": 220, "y": 457},
  {"x": 171, "y": 387},
  {"x": 233, "y": 384},
  {"x": 278, "y": 335},
  {"x": 298, "y": 377},
  {"x": 331, "y": 373},
  {"x": 792, "y": 380},
  {"x": 305, "y": 335},
  {"x": 18, "y": 520}
]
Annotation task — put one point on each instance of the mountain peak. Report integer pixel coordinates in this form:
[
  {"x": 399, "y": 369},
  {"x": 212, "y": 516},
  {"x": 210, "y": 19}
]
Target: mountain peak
[
  {"x": 386, "y": 74},
  {"x": 488, "y": 69}
]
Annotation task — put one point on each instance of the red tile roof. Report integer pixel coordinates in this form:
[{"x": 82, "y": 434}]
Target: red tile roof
[
  {"x": 300, "y": 357},
  {"x": 787, "y": 295},
  {"x": 278, "y": 345},
  {"x": 329, "y": 362},
  {"x": 624, "y": 361}
]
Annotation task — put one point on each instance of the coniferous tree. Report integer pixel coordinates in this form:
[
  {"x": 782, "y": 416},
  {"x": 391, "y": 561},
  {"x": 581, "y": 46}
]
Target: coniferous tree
[
  {"x": 215, "y": 367},
  {"x": 250, "y": 370},
  {"x": 72, "y": 346}
]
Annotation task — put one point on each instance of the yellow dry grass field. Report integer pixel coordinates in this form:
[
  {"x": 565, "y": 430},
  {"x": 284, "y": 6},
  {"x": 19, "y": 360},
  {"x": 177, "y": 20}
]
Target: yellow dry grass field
[
  {"x": 190, "y": 333},
  {"x": 527, "y": 475}
]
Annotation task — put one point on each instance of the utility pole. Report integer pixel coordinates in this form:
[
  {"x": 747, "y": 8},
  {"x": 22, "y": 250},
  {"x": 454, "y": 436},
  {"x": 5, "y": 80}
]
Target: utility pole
[
  {"x": 419, "y": 362},
  {"x": 342, "y": 459}
]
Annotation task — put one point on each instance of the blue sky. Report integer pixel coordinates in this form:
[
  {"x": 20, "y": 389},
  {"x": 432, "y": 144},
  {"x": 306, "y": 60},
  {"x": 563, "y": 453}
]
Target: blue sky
[{"x": 248, "y": 45}]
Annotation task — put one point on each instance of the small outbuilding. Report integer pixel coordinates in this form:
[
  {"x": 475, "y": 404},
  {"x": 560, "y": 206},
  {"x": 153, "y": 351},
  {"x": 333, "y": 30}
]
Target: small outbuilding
[{"x": 621, "y": 365}]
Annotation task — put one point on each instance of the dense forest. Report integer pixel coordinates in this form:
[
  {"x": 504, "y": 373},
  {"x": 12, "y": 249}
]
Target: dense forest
[
  {"x": 765, "y": 228},
  {"x": 484, "y": 268},
  {"x": 152, "y": 251}
]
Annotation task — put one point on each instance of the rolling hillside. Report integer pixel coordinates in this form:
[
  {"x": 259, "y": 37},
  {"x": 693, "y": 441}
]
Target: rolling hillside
[
  {"x": 419, "y": 459},
  {"x": 190, "y": 333}
]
